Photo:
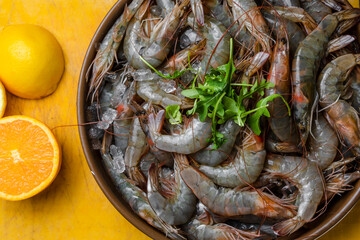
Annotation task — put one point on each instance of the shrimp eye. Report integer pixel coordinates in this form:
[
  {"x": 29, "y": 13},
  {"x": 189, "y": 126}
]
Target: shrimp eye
[{"x": 283, "y": 40}]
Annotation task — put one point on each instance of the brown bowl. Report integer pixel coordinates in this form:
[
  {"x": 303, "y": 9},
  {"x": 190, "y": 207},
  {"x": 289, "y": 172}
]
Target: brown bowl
[{"x": 336, "y": 210}]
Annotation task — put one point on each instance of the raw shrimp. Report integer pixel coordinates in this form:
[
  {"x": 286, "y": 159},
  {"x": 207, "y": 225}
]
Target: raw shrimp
[
  {"x": 248, "y": 13},
  {"x": 137, "y": 199},
  {"x": 137, "y": 147},
  {"x": 202, "y": 227},
  {"x": 192, "y": 139},
  {"x": 212, "y": 157},
  {"x": 306, "y": 64},
  {"x": 294, "y": 32},
  {"x": 150, "y": 91},
  {"x": 106, "y": 54},
  {"x": 229, "y": 202},
  {"x": 155, "y": 48},
  {"x": 175, "y": 207},
  {"x": 332, "y": 77},
  {"x": 342, "y": 116},
  {"x": 216, "y": 37},
  {"x": 221, "y": 12},
  {"x": 244, "y": 169},
  {"x": 198, "y": 10},
  {"x": 316, "y": 9},
  {"x": 296, "y": 15},
  {"x": 280, "y": 122},
  {"x": 122, "y": 123},
  {"x": 323, "y": 143},
  {"x": 307, "y": 178}
]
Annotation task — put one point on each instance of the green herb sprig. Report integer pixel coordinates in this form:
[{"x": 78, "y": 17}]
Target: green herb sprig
[{"x": 216, "y": 98}]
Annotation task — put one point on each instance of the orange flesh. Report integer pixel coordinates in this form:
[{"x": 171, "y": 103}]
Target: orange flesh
[{"x": 26, "y": 157}]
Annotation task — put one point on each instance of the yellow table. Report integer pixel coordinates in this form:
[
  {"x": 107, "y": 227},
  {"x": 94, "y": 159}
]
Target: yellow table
[{"x": 74, "y": 207}]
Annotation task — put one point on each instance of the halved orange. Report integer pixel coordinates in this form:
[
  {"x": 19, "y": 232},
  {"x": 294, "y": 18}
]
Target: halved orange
[
  {"x": 29, "y": 157},
  {"x": 2, "y": 100}
]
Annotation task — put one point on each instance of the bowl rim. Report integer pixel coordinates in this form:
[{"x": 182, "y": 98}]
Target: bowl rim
[{"x": 103, "y": 181}]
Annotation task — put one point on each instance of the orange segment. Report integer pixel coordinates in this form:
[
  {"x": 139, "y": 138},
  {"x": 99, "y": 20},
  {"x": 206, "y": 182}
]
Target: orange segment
[
  {"x": 2, "y": 100},
  {"x": 29, "y": 157}
]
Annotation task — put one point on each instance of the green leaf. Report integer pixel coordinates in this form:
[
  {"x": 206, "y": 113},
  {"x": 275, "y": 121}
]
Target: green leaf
[
  {"x": 173, "y": 114},
  {"x": 190, "y": 93},
  {"x": 261, "y": 110}
]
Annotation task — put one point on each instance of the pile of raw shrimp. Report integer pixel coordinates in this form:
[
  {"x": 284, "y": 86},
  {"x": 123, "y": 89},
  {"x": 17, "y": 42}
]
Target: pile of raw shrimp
[{"x": 252, "y": 186}]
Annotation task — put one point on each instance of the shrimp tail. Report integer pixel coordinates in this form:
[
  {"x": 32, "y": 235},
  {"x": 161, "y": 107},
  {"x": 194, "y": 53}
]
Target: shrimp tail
[
  {"x": 287, "y": 227},
  {"x": 156, "y": 122},
  {"x": 181, "y": 161},
  {"x": 198, "y": 11},
  {"x": 347, "y": 14}
]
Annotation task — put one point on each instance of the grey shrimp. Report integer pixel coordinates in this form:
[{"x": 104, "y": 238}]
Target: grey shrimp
[
  {"x": 202, "y": 227},
  {"x": 153, "y": 49},
  {"x": 222, "y": 13},
  {"x": 342, "y": 116},
  {"x": 137, "y": 199},
  {"x": 307, "y": 178},
  {"x": 106, "y": 54},
  {"x": 249, "y": 14},
  {"x": 246, "y": 166},
  {"x": 211, "y": 157},
  {"x": 294, "y": 32},
  {"x": 306, "y": 64},
  {"x": 151, "y": 91},
  {"x": 192, "y": 139},
  {"x": 215, "y": 34},
  {"x": 179, "y": 205},
  {"x": 137, "y": 147},
  {"x": 233, "y": 202}
]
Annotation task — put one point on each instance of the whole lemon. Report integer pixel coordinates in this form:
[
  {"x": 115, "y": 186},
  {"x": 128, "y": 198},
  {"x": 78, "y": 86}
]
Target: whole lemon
[{"x": 31, "y": 61}]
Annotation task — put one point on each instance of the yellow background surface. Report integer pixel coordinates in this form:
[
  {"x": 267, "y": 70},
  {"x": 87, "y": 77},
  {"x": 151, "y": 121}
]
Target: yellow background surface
[{"x": 74, "y": 207}]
